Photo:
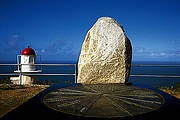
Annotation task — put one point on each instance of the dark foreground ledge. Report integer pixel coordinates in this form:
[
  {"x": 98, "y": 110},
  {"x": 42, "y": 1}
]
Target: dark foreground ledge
[{"x": 36, "y": 109}]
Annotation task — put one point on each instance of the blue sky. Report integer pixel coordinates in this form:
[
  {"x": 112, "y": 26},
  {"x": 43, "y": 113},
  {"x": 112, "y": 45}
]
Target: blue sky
[{"x": 56, "y": 28}]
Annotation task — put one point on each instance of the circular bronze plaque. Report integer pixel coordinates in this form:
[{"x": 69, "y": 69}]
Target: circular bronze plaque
[{"x": 103, "y": 100}]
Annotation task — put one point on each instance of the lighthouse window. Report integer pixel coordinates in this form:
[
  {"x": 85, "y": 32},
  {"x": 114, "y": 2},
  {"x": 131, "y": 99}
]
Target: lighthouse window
[
  {"x": 31, "y": 59},
  {"x": 25, "y": 59}
]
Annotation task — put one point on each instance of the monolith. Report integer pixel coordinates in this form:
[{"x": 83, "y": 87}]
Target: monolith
[{"x": 105, "y": 54}]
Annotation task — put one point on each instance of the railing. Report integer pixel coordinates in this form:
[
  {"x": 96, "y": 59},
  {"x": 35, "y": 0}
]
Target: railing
[
  {"x": 157, "y": 65},
  {"x": 41, "y": 74},
  {"x": 75, "y": 71},
  {"x": 164, "y": 76}
]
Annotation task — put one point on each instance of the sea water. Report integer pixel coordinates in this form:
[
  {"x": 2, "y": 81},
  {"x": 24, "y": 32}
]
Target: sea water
[{"x": 155, "y": 82}]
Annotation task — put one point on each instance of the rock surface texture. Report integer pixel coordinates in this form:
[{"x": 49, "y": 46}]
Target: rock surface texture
[{"x": 105, "y": 55}]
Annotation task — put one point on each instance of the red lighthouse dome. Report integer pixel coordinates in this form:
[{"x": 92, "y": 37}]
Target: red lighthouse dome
[{"x": 28, "y": 51}]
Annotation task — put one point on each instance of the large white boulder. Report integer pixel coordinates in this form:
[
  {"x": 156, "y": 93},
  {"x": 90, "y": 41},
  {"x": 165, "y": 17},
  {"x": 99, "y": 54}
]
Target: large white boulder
[{"x": 105, "y": 55}]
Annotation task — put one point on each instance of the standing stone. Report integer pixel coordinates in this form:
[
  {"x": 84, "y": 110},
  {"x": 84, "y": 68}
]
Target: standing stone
[{"x": 105, "y": 55}]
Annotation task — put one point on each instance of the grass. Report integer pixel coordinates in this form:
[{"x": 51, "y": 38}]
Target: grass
[
  {"x": 174, "y": 91},
  {"x": 11, "y": 96}
]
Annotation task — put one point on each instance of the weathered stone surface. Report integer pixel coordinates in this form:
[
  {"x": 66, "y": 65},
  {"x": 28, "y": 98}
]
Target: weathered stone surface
[{"x": 105, "y": 55}]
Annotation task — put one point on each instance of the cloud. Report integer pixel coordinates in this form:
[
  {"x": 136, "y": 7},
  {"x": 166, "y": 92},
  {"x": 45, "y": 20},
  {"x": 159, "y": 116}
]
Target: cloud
[
  {"x": 146, "y": 53},
  {"x": 15, "y": 41},
  {"x": 12, "y": 45},
  {"x": 43, "y": 50},
  {"x": 56, "y": 49},
  {"x": 141, "y": 51}
]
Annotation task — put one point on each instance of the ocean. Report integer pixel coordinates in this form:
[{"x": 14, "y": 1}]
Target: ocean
[{"x": 155, "y": 82}]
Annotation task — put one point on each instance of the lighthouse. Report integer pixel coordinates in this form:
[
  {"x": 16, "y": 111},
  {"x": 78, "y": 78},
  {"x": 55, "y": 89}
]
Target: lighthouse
[{"x": 26, "y": 66}]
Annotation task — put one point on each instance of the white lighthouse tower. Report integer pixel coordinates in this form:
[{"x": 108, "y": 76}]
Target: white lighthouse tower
[{"x": 26, "y": 66}]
